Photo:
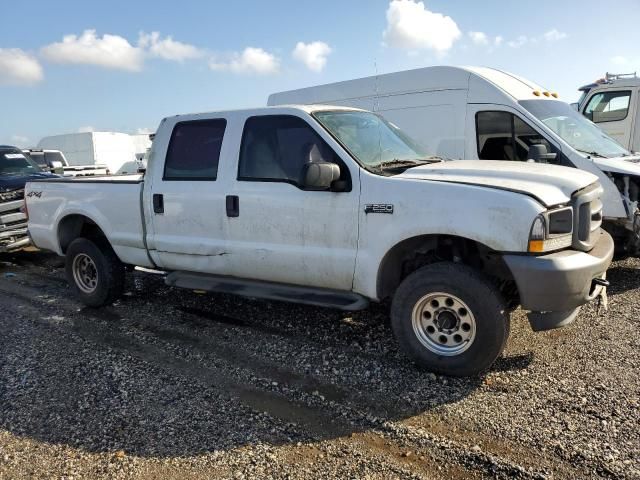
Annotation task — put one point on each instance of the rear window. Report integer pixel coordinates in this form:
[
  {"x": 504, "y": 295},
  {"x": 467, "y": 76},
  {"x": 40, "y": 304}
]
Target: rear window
[
  {"x": 53, "y": 157},
  {"x": 38, "y": 157},
  {"x": 194, "y": 150}
]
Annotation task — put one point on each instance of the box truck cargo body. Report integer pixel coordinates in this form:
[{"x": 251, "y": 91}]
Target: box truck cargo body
[
  {"x": 115, "y": 150},
  {"x": 472, "y": 113}
]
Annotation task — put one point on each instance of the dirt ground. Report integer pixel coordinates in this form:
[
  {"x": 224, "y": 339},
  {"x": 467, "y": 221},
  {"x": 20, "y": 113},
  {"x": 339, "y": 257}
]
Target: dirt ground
[{"x": 173, "y": 384}]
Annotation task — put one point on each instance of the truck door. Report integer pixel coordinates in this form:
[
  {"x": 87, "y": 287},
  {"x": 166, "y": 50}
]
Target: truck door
[
  {"x": 277, "y": 230},
  {"x": 186, "y": 199},
  {"x": 610, "y": 110}
]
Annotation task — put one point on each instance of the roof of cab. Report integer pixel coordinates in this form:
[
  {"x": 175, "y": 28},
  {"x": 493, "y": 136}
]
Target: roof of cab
[
  {"x": 263, "y": 111},
  {"x": 415, "y": 81}
]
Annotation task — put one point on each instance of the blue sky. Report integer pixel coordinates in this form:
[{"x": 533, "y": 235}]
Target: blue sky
[{"x": 111, "y": 72}]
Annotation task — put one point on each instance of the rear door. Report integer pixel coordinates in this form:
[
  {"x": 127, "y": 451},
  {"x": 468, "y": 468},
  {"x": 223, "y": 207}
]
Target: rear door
[
  {"x": 611, "y": 110},
  {"x": 277, "y": 230},
  {"x": 186, "y": 202}
]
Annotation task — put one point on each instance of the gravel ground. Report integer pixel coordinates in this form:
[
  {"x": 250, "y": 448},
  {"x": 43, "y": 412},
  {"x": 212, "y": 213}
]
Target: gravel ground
[{"x": 173, "y": 384}]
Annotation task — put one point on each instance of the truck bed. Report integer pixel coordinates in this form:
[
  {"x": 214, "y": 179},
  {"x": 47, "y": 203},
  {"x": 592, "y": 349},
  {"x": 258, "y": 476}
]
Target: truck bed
[{"x": 114, "y": 205}]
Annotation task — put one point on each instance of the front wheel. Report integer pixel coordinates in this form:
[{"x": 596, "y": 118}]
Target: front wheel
[
  {"x": 94, "y": 271},
  {"x": 450, "y": 319}
]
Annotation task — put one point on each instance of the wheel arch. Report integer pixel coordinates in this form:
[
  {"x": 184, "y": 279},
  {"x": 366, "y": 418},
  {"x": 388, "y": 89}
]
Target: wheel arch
[
  {"x": 77, "y": 225},
  {"x": 408, "y": 255}
]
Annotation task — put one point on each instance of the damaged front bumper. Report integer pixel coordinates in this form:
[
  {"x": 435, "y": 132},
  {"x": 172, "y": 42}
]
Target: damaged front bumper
[{"x": 555, "y": 286}]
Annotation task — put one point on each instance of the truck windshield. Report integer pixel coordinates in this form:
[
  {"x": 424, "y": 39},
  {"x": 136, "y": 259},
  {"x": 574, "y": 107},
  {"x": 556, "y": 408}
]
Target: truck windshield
[
  {"x": 574, "y": 129},
  {"x": 374, "y": 142},
  {"x": 17, "y": 163}
]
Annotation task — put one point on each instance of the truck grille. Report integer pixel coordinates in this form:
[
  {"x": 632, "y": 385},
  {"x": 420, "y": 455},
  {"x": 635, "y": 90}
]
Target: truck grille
[
  {"x": 13, "y": 222},
  {"x": 588, "y": 216}
]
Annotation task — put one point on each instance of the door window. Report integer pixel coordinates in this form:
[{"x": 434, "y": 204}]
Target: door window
[
  {"x": 276, "y": 147},
  {"x": 608, "y": 106},
  {"x": 505, "y": 136},
  {"x": 194, "y": 150}
]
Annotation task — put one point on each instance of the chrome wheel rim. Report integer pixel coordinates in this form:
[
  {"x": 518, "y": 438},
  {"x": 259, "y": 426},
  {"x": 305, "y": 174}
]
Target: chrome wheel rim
[
  {"x": 85, "y": 273},
  {"x": 444, "y": 324}
]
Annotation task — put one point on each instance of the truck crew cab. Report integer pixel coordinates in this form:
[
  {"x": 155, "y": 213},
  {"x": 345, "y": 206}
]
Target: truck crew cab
[{"x": 337, "y": 207}]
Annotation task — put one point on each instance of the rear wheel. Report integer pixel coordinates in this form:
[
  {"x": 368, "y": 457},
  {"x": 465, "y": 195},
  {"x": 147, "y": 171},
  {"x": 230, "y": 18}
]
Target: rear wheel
[
  {"x": 450, "y": 319},
  {"x": 95, "y": 273}
]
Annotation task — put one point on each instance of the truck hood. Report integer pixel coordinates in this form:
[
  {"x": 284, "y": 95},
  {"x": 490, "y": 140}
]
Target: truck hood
[
  {"x": 16, "y": 182},
  {"x": 624, "y": 165},
  {"x": 549, "y": 184}
]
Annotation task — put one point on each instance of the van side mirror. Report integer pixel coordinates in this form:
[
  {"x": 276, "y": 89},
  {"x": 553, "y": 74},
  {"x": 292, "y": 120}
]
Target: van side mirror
[
  {"x": 319, "y": 175},
  {"x": 539, "y": 153}
]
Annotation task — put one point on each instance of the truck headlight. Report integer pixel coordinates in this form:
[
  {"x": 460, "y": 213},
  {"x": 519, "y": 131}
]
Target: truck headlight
[{"x": 551, "y": 230}]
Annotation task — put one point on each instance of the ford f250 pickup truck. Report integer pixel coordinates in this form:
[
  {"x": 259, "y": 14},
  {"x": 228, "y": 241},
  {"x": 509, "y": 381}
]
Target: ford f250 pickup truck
[{"x": 337, "y": 207}]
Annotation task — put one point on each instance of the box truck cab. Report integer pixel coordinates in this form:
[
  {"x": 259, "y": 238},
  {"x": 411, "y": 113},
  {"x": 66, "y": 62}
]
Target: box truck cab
[
  {"x": 612, "y": 104},
  {"x": 483, "y": 113}
]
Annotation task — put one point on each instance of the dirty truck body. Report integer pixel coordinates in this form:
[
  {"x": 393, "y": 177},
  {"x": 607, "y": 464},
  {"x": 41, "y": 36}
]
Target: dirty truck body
[
  {"x": 467, "y": 113},
  {"x": 336, "y": 207}
]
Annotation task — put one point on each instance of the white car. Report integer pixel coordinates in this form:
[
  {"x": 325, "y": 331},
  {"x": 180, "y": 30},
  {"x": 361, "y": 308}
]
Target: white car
[
  {"x": 468, "y": 113},
  {"x": 336, "y": 207}
]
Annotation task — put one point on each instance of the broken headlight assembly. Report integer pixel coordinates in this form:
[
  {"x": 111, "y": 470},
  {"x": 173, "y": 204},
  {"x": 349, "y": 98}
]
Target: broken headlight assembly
[{"x": 552, "y": 230}]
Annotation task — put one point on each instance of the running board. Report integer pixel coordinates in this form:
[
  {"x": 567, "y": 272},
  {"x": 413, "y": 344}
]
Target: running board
[{"x": 269, "y": 291}]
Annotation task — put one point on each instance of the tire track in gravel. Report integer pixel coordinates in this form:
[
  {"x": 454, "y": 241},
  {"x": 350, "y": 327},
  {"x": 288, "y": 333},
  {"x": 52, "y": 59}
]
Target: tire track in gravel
[{"x": 276, "y": 405}]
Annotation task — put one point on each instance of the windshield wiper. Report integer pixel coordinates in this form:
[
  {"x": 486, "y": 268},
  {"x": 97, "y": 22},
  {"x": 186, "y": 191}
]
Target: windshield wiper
[
  {"x": 397, "y": 164},
  {"x": 593, "y": 154}
]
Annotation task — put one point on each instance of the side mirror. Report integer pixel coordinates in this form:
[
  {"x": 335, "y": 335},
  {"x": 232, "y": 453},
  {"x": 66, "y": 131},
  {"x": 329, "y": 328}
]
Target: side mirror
[
  {"x": 539, "y": 153},
  {"x": 319, "y": 175},
  {"x": 57, "y": 167}
]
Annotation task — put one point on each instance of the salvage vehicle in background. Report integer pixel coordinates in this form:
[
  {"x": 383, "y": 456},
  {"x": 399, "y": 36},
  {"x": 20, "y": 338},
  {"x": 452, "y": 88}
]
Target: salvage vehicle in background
[
  {"x": 336, "y": 207},
  {"x": 119, "y": 153},
  {"x": 16, "y": 169},
  {"x": 482, "y": 113},
  {"x": 54, "y": 161},
  {"x": 613, "y": 104}
]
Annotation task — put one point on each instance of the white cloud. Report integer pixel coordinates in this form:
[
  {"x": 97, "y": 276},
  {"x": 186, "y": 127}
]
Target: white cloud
[
  {"x": 313, "y": 55},
  {"x": 518, "y": 42},
  {"x": 167, "y": 48},
  {"x": 144, "y": 131},
  {"x": 19, "y": 140},
  {"x": 498, "y": 41},
  {"x": 251, "y": 60},
  {"x": 554, "y": 35},
  {"x": 108, "y": 51},
  {"x": 86, "y": 129},
  {"x": 19, "y": 68},
  {"x": 620, "y": 60},
  {"x": 479, "y": 38},
  {"x": 410, "y": 25}
]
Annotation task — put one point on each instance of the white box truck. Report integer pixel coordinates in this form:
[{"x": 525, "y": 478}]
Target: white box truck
[
  {"x": 483, "y": 113},
  {"x": 114, "y": 150},
  {"x": 613, "y": 104}
]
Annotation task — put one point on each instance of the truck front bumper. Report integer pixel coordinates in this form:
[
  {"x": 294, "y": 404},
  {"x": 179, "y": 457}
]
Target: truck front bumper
[{"x": 554, "y": 286}]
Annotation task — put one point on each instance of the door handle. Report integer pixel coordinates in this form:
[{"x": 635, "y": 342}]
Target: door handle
[
  {"x": 233, "y": 206},
  {"x": 158, "y": 203}
]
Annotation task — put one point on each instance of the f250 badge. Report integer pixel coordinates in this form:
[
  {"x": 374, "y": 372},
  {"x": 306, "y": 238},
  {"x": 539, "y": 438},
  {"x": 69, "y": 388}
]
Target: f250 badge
[
  {"x": 34, "y": 194},
  {"x": 378, "y": 208}
]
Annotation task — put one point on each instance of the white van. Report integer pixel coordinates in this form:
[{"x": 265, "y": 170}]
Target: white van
[
  {"x": 484, "y": 113},
  {"x": 613, "y": 103}
]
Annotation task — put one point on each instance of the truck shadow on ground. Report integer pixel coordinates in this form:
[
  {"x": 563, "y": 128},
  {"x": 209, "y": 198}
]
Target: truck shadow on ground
[
  {"x": 169, "y": 373},
  {"x": 623, "y": 279}
]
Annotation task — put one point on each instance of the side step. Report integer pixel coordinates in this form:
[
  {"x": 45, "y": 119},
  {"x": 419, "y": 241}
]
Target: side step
[{"x": 270, "y": 291}]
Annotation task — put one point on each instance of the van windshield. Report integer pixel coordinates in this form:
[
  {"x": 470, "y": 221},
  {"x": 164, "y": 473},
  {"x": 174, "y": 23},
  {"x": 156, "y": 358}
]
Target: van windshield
[
  {"x": 574, "y": 129},
  {"x": 374, "y": 142}
]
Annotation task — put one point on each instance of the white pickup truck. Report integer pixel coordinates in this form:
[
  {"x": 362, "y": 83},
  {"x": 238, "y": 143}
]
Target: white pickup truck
[{"x": 334, "y": 206}]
